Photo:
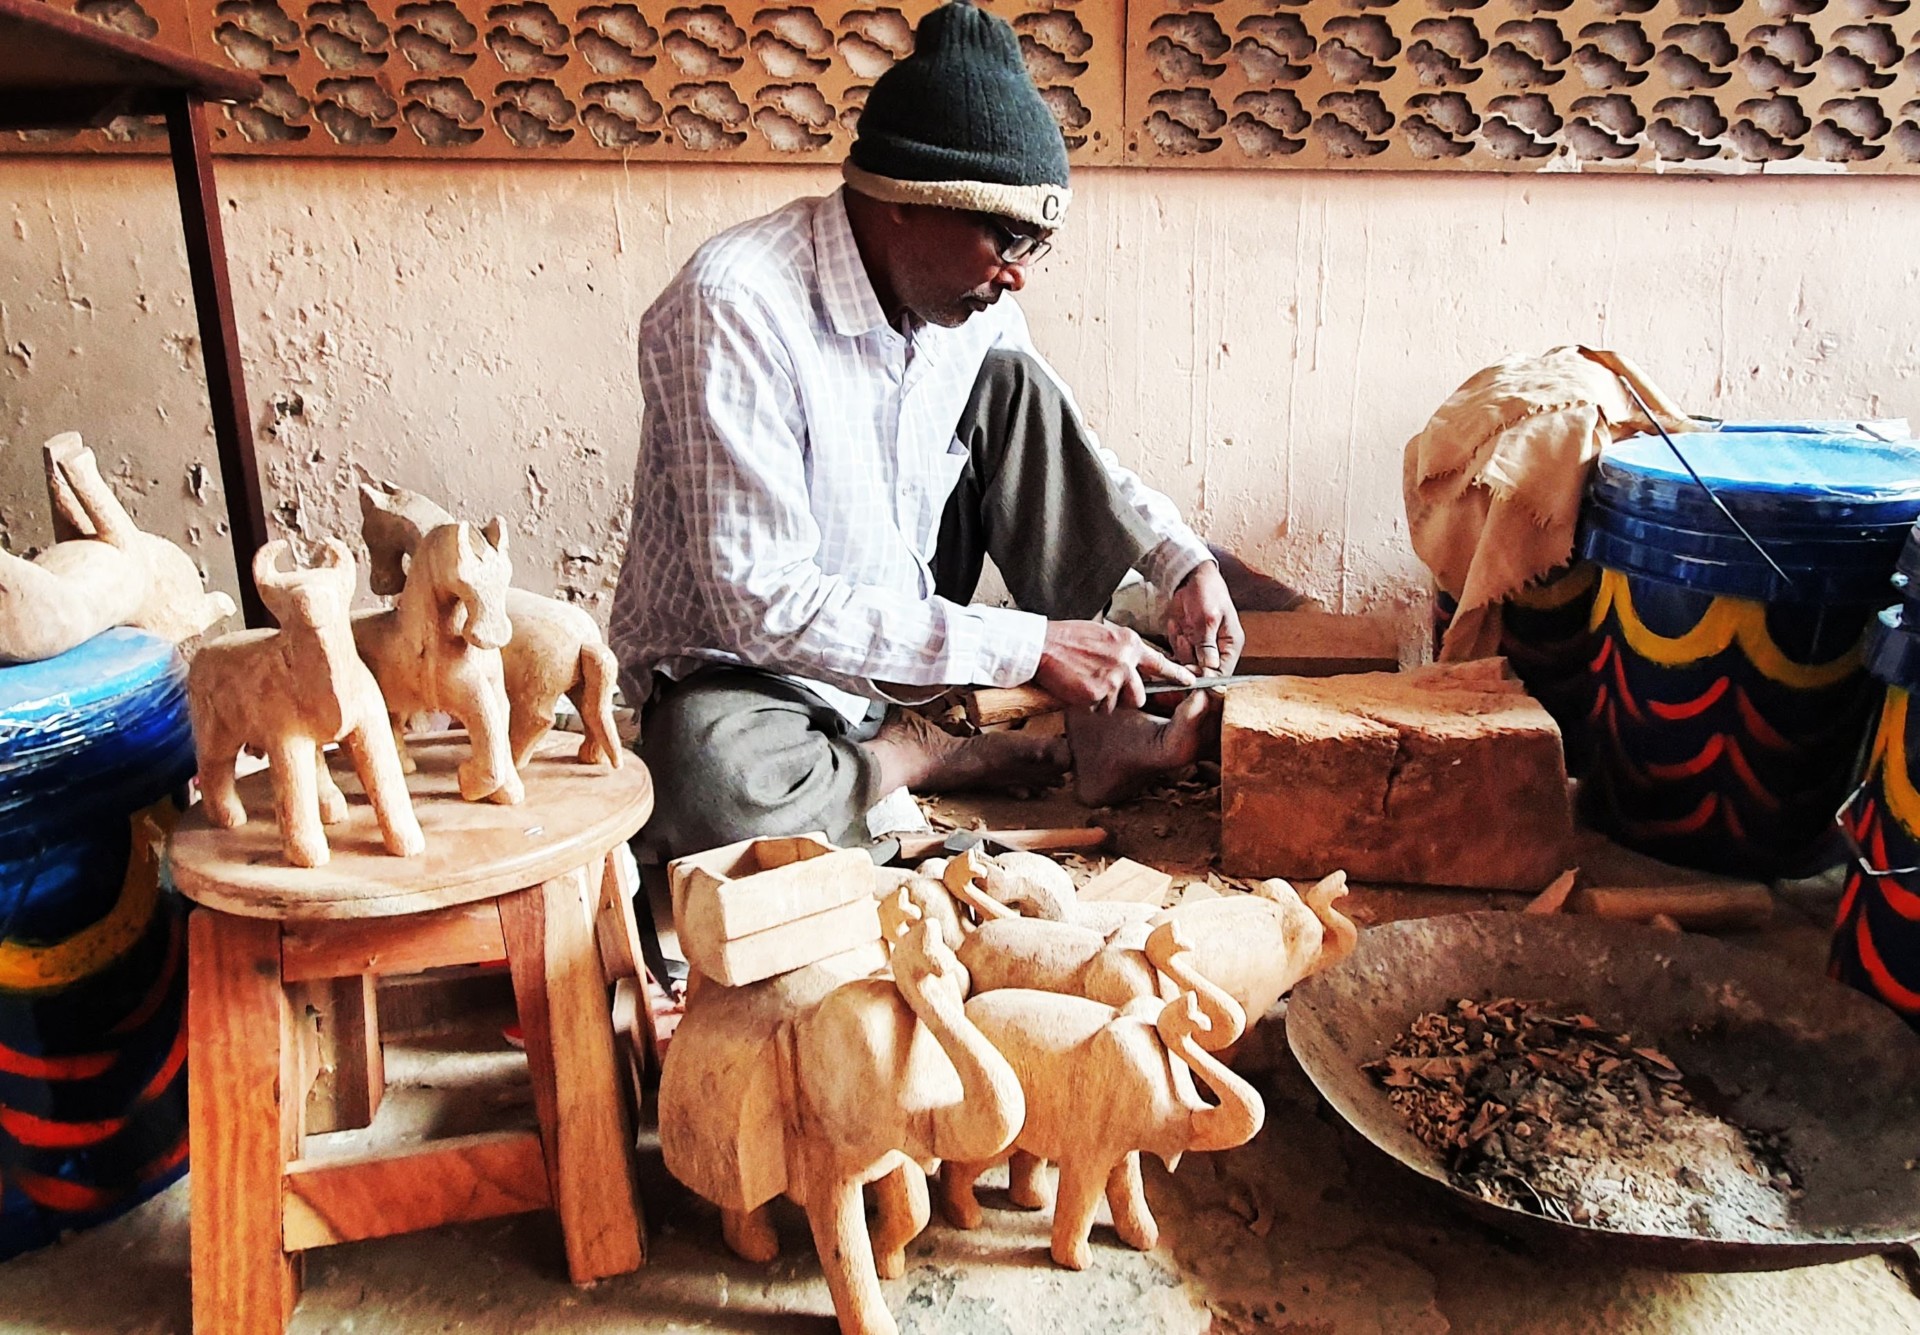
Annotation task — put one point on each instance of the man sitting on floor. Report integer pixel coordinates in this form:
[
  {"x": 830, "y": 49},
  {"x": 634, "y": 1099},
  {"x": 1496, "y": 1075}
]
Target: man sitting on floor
[{"x": 844, "y": 416}]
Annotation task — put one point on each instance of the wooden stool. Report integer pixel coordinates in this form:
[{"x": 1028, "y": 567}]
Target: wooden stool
[{"x": 544, "y": 885}]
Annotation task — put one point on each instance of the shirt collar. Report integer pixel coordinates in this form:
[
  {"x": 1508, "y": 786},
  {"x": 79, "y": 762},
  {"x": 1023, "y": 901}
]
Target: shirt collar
[{"x": 847, "y": 293}]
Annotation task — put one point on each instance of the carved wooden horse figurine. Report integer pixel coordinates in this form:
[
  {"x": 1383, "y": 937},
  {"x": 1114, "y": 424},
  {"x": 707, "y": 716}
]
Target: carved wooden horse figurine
[
  {"x": 438, "y": 648},
  {"x": 555, "y": 649}
]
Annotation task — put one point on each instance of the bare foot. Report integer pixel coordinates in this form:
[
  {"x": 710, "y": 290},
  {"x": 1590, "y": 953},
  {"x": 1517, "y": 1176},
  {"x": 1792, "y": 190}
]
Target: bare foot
[
  {"x": 912, "y": 752},
  {"x": 1117, "y": 755}
]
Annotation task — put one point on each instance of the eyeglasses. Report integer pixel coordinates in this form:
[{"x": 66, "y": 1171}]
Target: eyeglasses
[{"x": 1015, "y": 247}]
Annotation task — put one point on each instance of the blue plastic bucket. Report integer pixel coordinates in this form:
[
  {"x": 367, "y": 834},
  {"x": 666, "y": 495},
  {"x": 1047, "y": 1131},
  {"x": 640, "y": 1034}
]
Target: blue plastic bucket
[
  {"x": 93, "y": 1092},
  {"x": 1728, "y": 702},
  {"x": 1876, "y": 934}
]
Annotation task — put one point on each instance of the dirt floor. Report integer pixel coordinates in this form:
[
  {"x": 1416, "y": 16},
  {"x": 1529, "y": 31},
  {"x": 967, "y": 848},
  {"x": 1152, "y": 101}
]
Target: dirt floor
[{"x": 1305, "y": 1230}]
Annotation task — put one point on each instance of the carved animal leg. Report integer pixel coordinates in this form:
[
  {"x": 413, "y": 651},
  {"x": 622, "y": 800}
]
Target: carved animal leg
[
  {"x": 217, "y": 793},
  {"x": 902, "y": 1199},
  {"x": 750, "y": 1235},
  {"x": 69, "y": 519},
  {"x": 111, "y": 523},
  {"x": 1027, "y": 1185},
  {"x": 594, "y": 699},
  {"x": 377, "y": 762},
  {"x": 296, "y": 801},
  {"x": 1081, "y": 1183},
  {"x": 839, "y": 1222},
  {"x": 407, "y": 763},
  {"x": 488, "y": 771},
  {"x": 957, "y": 1201},
  {"x": 530, "y": 722},
  {"x": 1127, "y": 1203},
  {"x": 333, "y": 802}
]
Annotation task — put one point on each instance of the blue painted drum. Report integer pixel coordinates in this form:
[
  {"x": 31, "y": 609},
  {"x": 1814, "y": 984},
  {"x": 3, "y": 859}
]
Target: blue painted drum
[
  {"x": 94, "y": 745},
  {"x": 1876, "y": 934},
  {"x": 1728, "y": 701}
]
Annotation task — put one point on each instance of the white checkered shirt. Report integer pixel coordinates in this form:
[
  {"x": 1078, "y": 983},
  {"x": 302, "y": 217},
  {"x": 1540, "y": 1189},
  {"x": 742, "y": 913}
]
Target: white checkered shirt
[{"x": 796, "y": 454}]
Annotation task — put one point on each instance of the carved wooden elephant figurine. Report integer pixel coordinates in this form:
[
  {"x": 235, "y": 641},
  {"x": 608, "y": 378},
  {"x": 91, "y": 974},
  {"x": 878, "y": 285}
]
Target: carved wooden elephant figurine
[
  {"x": 817, "y": 1082},
  {"x": 1101, "y": 1085},
  {"x": 1253, "y": 947}
]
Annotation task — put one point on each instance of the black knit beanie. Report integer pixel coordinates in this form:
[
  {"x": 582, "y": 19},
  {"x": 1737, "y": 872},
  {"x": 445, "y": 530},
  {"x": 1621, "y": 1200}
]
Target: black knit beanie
[{"x": 960, "y": 124}]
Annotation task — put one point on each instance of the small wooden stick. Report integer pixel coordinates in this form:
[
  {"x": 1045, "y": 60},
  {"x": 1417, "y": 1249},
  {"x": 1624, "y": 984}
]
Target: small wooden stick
[
  {"x": 1554, "y": 897},
  {"x": 1058, "y": 840},
  {"x": 991, "y": 705},
  {"x": 1707, "y": 907}
]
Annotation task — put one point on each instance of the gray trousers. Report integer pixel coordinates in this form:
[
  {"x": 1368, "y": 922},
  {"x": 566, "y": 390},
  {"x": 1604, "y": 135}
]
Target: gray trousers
[{"x": 737, "y": 753}]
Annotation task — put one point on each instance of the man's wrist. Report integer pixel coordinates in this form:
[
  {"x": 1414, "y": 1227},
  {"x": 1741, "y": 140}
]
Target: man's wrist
[
  {"x": 1169, "y": 563},
  {"x": 1208, "y": 564}
]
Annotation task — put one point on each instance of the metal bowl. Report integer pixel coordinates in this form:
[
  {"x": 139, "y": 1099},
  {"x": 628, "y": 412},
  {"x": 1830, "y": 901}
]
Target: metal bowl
[{"x": 1835, "y": 1073}]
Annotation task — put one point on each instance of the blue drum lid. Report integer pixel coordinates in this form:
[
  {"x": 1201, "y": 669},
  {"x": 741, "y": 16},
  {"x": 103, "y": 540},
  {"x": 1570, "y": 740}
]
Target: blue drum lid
[
  {"x": 90, "y": 736},
  {"x": 1778, "y": 482},
  {"x": 103, "y": 669},
  {"x": 1866, "y": 428},
  {"x": 1840, "y": 548},
  {"x": 1751, "y": 578}
]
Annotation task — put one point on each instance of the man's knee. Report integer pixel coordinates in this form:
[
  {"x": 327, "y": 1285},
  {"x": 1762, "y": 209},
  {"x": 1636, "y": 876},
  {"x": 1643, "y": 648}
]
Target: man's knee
[
  {"x": 730, "y": 763},
  {"x": 1008, "y": 376}
]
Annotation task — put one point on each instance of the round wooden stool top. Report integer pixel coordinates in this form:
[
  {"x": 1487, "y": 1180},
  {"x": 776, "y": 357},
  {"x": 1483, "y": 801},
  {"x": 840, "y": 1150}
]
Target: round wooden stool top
[{"x": 573, "y": 814}]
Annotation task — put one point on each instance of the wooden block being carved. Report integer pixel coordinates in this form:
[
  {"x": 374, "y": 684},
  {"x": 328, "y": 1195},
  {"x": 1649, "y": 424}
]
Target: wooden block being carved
[
  {"x": 763, "y": 906},
  {"x": 1318, "y": 644},
  {"x": 1440, "y": 776},
  {"x": 1130, "y": 881}
]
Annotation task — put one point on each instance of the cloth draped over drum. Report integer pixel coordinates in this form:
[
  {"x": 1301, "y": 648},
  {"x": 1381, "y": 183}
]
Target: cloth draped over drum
[{"x": 1493, "y": 483}]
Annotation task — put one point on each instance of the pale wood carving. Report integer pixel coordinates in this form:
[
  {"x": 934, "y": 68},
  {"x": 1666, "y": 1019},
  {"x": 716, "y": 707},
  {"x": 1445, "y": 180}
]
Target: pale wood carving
[
  {"x": 761, "y": 907},
  {"x": 438, "y": 649},
  {"x": 1253, "y": 948},
  {"x": 1034, "y": 885},
  {"x": 1131, "y": 881},
  {"x": 821, "y": 1080},
  {"x": 1500, "y": 85},
  {"x": 554, "y": 648},
  {"x": 288, "y": 693},
  {"x": 1100, "y": 1087},
  {"x": 104, "y": 572}
]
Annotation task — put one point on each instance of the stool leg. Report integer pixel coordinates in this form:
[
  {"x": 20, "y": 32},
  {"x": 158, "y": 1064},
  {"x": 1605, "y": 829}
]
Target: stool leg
[
  {"x": 243, "y": 1054},
  {"x": 565, "y": 1015},
  {"x": 346, "y": 1067}
]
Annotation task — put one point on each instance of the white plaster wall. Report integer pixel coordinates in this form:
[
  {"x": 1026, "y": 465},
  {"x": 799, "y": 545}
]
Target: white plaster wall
[{"x": 1260, "y": 346}]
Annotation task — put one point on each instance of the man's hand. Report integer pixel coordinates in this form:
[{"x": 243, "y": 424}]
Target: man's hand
[
  {"x": 1094, "y": 663},
  {"x": 1201, "y": 623}
]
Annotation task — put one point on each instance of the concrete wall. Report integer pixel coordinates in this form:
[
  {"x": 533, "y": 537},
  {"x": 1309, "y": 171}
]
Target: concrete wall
[{"x": 1260, "y": 346}]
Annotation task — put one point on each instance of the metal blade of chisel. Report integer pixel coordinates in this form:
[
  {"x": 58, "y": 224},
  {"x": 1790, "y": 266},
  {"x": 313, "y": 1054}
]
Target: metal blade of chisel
[{"x": 1204, "y": 683}]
